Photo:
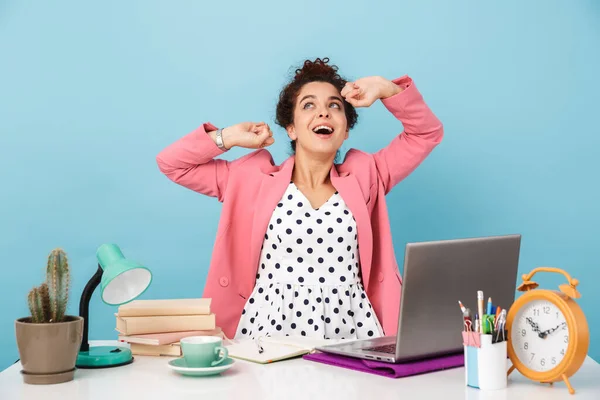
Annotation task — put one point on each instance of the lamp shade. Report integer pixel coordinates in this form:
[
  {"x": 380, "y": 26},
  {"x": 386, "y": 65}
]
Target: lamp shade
[{"x": 122, "y": 280}]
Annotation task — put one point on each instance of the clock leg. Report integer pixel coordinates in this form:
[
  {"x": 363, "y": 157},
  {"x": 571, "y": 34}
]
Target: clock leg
[
  {"x": 564, "y": 378},
  {"x": 511, "y": 369}
]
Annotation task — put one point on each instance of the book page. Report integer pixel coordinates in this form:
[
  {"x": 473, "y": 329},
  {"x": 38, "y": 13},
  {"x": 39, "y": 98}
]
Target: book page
[
  {"x": 156, "y": 307},
  {"x": 168, "y": 337}
]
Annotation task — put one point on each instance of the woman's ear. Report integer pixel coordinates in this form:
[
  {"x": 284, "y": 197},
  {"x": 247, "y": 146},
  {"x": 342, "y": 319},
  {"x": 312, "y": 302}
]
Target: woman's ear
[{"x": 291, "y": 132}]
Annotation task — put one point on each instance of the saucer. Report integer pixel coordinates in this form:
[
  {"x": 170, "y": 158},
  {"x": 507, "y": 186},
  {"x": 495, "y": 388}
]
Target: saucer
[
  {"x": 45, "y": 379},
  {"x": 179, "y": 365}
]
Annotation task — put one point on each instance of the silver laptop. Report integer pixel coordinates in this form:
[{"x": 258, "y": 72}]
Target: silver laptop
[{"x": 436, "y": 276}]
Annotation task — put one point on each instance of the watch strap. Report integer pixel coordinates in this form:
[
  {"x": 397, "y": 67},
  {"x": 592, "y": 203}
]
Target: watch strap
[{"x": 220, "y": 143}]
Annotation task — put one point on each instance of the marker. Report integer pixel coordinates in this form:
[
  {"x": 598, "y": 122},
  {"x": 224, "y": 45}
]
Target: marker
[
  {"x": 462, "y": 308},
  {"x": 489, "y": 306},
  {"x": 480, "y": 306}
]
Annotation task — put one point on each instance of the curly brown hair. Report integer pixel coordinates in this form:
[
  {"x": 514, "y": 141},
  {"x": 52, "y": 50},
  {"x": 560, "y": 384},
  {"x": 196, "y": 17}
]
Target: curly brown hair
[{"x": 311, "y": 71}]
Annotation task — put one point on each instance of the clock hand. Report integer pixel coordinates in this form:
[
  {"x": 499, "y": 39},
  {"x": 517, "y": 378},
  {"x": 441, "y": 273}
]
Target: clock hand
[
  {"x": 545, "y": 333},
  {"x": 535, "y": 327}
]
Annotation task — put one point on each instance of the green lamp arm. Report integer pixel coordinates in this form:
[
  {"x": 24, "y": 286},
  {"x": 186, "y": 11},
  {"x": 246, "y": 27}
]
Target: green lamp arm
[{"x": 84, "y": 305}]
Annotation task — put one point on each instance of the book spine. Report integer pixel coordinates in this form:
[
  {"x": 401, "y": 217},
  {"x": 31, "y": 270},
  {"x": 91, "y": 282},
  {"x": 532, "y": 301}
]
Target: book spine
[
  {"x": 164, "y": 324},
  {"x": 153, "y": 350},
  {"x": 163, "y": 311}
]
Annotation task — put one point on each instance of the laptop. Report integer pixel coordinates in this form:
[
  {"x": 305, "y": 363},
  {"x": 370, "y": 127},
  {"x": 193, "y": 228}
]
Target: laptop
[{"x": 437, "y": 274}]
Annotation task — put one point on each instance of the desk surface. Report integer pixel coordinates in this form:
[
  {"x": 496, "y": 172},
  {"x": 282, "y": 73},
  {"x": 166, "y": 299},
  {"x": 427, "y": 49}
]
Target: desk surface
[{"x": 150, "y": 378}]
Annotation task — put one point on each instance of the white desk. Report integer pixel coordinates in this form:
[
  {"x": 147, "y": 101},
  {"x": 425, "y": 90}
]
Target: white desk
[{"x": 150, "y": 378}]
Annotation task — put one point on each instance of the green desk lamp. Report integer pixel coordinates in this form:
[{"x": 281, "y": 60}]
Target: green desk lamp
[{"x": 121, "y": 281}]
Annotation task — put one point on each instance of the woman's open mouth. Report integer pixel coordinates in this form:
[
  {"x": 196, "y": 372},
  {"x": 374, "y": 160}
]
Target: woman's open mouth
[{"x": 323, "y": 131}]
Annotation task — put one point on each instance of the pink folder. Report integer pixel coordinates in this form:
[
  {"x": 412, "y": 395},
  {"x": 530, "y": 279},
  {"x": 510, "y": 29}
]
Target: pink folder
[{"x": 387, "y": 369}]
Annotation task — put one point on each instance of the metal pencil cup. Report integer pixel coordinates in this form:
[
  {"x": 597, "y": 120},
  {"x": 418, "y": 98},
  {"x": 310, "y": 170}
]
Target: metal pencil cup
[{"x": 485, "y": 360}]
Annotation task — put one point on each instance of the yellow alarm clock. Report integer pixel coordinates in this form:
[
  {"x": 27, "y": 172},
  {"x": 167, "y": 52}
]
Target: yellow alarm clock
[{"x": 548, "y": 334}]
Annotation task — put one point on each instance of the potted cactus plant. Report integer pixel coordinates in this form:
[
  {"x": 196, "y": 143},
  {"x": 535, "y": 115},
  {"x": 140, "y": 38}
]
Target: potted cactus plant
[{"x": 49, "y": 340}]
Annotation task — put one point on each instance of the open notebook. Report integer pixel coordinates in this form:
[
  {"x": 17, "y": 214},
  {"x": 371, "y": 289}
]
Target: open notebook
[{"x": 275, "y": 348}]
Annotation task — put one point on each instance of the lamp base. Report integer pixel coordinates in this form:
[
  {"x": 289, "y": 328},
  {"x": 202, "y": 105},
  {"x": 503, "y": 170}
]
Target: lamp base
[{"x": 104, "y": 357}]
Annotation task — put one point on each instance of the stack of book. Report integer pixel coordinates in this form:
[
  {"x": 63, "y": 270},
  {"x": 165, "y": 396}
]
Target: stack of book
[{"x": 155, "y": 327}]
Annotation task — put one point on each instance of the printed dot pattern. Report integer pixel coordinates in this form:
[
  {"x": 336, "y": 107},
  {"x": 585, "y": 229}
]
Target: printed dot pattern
[{"x": 308, "y": 281}]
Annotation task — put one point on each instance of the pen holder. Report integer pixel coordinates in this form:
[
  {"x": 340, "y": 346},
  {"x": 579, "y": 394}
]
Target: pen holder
[{"x": 485, "y": 360}]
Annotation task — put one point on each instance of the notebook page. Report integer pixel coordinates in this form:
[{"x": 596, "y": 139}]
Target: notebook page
[
  {"x": 248, "y": 350},
  {"x": 303, "y": 342}
]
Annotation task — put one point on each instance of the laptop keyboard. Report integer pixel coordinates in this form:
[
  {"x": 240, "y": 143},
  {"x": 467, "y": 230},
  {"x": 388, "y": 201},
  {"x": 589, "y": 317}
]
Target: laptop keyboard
[{"x": 386, "y": 348}]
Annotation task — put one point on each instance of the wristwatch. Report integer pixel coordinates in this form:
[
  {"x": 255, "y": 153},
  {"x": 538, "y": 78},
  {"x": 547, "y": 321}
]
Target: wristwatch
[{"x": 220, "y": 140}]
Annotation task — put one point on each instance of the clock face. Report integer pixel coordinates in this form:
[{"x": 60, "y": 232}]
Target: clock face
[{"x": 540, "y": 335}]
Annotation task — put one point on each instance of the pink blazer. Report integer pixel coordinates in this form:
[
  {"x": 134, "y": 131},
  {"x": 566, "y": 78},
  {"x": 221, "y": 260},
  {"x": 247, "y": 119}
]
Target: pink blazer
[{"x": 251, "y": 186}]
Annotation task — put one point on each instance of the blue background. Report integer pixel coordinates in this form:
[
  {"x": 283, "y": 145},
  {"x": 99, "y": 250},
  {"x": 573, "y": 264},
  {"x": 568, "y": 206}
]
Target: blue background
[{"x": 90, "y": 93}]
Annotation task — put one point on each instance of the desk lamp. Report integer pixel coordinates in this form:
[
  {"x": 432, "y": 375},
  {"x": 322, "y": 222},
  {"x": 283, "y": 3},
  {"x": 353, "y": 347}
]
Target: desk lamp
[{"x": 121, "y": 281}]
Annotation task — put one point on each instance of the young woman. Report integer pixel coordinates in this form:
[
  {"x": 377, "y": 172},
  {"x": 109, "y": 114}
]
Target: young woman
[{"x": 304, "y": 248}]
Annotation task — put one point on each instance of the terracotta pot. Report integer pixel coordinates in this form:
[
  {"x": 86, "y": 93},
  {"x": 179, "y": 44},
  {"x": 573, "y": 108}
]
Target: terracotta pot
[{"x": 49, "y": 351}]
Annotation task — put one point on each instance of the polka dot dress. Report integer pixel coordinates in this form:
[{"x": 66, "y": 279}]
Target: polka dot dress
[{"x": 308, "y": 281}]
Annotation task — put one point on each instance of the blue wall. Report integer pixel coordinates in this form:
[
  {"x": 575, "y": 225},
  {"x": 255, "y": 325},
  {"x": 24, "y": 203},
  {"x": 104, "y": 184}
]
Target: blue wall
[{"x": 91, "y": 93}]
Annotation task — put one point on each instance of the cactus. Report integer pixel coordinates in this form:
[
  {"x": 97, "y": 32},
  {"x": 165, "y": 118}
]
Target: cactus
[
  {"x": 39, "y": 304},
  {"x": 48, "y": 302},
  {"x": 57, "y": 278},
  {"x": 43, "y": 289},
  {"x": 35, "y": 306}
]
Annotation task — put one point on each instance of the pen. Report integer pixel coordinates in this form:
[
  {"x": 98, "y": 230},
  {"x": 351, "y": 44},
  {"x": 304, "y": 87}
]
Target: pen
[
  {"x": 259, "y": 346},
  {"x": 477, "y": 324},
  {"x": 480, "y": 306}
]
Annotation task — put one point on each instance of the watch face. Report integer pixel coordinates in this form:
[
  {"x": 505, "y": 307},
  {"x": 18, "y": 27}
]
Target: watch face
[{"x": 540, "y": 335}]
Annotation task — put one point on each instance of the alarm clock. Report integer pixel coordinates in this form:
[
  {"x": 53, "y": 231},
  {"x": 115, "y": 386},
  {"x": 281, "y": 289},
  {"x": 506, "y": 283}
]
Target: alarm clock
[{"x": 547, "y": 332}]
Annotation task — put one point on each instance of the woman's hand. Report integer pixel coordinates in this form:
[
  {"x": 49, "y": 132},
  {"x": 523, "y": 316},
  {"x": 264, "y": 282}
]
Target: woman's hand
[
  {"x": 364, "y": 91},
  {"x": 251, "y": 135}
]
